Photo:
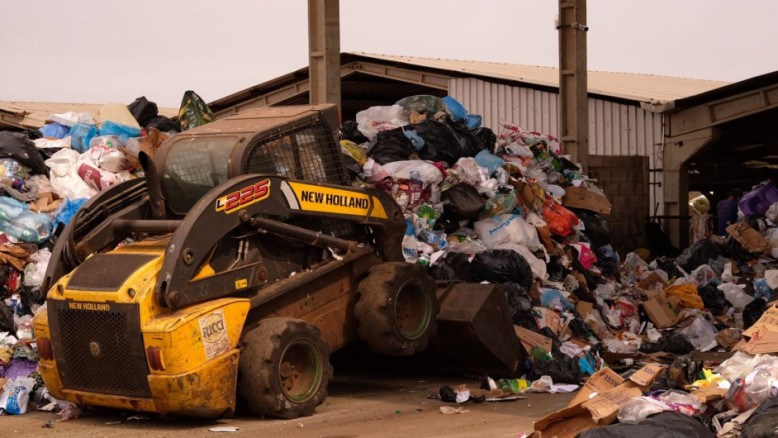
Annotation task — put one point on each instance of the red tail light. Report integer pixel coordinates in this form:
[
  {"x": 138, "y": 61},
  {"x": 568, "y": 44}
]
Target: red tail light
[
  {"x": 155, "y": 358},
  {"x": 44, "y": 349}
]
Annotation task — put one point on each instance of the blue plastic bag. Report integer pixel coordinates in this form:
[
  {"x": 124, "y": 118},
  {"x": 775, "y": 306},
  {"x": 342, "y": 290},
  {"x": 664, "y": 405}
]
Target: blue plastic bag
[
  {"x": 55, "y": 130},
  {"x": 16, "y": 220},
  {"x": 489, "y": 161},
  {"x": 124, "y": 132},
  {"x": 68, "y": 210},
  {"x": 473, "y": 121},
  {"x": 81, "y": 135},
  {"x": 457, "y": 110}
]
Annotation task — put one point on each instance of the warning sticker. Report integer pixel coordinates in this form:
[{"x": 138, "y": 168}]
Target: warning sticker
[{"x": 214, "y": 334}]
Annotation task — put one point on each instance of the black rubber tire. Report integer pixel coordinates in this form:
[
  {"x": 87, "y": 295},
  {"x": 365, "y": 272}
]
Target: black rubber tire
[
  {"x": 273, "y": 350},
  {"x": 397, "y": 309}
]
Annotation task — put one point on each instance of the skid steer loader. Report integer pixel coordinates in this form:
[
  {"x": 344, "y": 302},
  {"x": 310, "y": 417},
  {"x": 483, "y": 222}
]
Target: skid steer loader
[{"x": 235, "y": 267}]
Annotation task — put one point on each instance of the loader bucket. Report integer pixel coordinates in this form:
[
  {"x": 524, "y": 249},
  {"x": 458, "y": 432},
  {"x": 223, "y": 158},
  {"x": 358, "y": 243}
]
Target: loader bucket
[{"x": 475, "y": 330}]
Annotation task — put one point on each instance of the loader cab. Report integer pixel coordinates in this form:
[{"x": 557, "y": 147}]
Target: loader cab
[{"x": 298, "y": 142}]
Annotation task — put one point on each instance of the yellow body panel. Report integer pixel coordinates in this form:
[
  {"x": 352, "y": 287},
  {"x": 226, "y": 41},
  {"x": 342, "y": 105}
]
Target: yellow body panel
[{"x": 198, "y": 344}]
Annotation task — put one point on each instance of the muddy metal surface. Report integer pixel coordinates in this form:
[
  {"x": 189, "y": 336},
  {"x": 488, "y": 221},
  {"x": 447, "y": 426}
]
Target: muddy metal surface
[{"x": 358, "y": 406}]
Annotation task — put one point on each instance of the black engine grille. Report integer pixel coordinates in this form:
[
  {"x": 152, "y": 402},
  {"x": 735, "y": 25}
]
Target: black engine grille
[{"x": 99, "y": 350}]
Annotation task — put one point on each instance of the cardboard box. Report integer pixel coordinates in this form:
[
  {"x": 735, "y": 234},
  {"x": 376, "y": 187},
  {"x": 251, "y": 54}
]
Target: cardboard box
[
  {"x": 530, "y": 339},
  {"x": 768, "y": 321},
  {"x": 710, "y": 393},
  {"x": 587, "y": 199},
  {"x": 661, "y": 311},
  {"x": 599, "y": 382},
  {"x": 605, "y": 407},
  {"x": 532, "y": 195},
  {"x": 762, "y": 341},
  {"x": 645, "y": 376},
  {"x": 584, "y": 307}
]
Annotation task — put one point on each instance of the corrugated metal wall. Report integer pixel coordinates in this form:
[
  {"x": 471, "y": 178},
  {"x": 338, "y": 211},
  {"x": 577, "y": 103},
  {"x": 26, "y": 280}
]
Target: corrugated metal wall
[{"x": 614, "y": 129}]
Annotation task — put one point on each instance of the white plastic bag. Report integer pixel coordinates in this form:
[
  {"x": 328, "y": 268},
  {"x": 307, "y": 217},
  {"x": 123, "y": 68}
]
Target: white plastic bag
[
  {"x": 735, "y": 294},
  {"x": 420, "y": 169},
  {"x": 638, "y": 409},
  {"x": 64, "y": 175},
  {"x": 44, "y": 142},
  {"x": 380, "y": 118},
  {"x": 71, "y": 118},
  {"x": 507, "y": 228},
  {"x": 701, "y": 333},
  {"x": 16, "y": 395},
  {"x": 538, "y": 266},
  {"x": 36, "y": 268}
]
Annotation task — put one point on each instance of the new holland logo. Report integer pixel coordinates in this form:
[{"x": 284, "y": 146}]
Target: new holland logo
[{"x": 244, "y": 197}]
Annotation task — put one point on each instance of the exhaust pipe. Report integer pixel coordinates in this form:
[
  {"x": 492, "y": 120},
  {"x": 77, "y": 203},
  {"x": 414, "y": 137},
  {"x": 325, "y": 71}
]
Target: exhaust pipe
[{"x": 156, "y": 198}]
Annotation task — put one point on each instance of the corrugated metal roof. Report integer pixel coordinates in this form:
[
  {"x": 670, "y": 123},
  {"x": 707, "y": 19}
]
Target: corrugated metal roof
[
  {"x": 631, "y": 86},
  {"x": 34, "y": 114}
]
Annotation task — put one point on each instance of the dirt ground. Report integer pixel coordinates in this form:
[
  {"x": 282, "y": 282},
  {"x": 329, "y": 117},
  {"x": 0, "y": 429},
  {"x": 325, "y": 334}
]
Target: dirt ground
[{"x": 358, "y": 406}]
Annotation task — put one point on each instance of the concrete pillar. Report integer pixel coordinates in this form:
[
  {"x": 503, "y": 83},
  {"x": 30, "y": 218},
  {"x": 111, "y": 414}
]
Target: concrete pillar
[
  {"x": 677, "y": 151},
  {"x": 324, "y": 51}
]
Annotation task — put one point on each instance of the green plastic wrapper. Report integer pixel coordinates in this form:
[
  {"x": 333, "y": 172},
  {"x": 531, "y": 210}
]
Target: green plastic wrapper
[{"x": 194, "y": 111}]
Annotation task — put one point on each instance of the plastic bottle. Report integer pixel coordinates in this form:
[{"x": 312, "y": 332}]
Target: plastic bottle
[{"x": 410, "y": 243}]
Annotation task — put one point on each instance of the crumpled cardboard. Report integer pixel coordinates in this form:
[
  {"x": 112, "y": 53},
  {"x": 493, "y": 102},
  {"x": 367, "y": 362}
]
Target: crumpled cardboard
[
  {"x": 660, "y": 310},
  {"x": 587, "y": 199},
  {"x": 748, "y": 237},
  {"x": 597, "y": 403},
  {"x": 530, "y": 339},
  {"x": 768, "y": 322}
]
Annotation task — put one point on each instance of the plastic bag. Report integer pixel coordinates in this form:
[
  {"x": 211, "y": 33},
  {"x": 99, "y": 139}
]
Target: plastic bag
[
  {"x": 501, "y": 266},
  {"x": 713, "y": 299},
  {"x": 64, "y": 175},
  {"x": 687, "y": 294},
  {"x": 664, "y": 425},
  {"x": 19, "y": 147},
  {"x": 502, "y": 203},
  {"x": 763, "y": 423},
  {"x": 375, "y": 119},
  {"x": 560, "y": 220},
  {"x": 54, "y": 130},
  {"x": 193, "y": 111},
  {"x": 81, "y": 136},
  {"x": 638, "y": 409},
  {"x": 456, "y": 109},
  {"x": 675, "y": 343},
  {"x": 440, "y": 142},
  {"x": 16, "y": 395},
  {"x": 701, "y": 333},
  {"x": 538, "y": 266},
  {"x": 423, "y": 104},
  {"x": 463, "y": 201},
  {"x": 143, "y": 110},
  {"x": 414, "y": 169},
  {"x": 35, "y": 269},
  {"x": 759, "y": 200},
  {"x": 71, "y": 118},
  {"x": 507, "y": 228},
  {"x": 16, "y": 220},
  {"x": 391, "y": 145},
  {"x": 736, "y": 295},
  {"x": 489, "y": 161}
]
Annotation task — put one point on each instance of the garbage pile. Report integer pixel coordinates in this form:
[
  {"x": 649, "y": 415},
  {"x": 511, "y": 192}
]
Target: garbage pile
[
  {"x": 684, "y": 342},
  {"x": 45, "y": 176},
  {"x": 507, "y": 208}
]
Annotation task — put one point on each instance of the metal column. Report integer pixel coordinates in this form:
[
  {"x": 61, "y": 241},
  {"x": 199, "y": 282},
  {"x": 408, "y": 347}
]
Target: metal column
[
  {"x": 324, "y": 51},
  {"x": 573, "y": 108}
]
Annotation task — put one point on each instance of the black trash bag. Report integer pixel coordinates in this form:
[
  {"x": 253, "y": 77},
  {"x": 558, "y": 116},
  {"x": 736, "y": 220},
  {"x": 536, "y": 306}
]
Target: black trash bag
[
  {"x": 503, "y": 266},
  {"x": 486, "y": 137},
  {"x": 143, "y": 110},
  {"x": 456, "y": 266},
  {"x": 447, "y": 222},
  {"x": 390, "y": 146},
  {"x": 19, "y": 147},
  {"x": 734, "y": 250},
  {"x": 580, "y": 328},
  {"x": 596, "y": 228},
  {"x": 556, "y": 272},
  {"x": 464, "y": 201},
  {"x": 714, "y": 299},
  {"x": 162, "y": 124},
  {"x": 440, "y": 142},
  {"x": 6, "y": 318},
  {"x": 349, "y": 131},
  {"x": 658, "y": 241},
  {"x": 763, "y": 423},
  {"x": 519, "y": 301},
  {"x": 562, "y": 369},
  {"x": 447, "y": 394},
  {"x": 664, "y": 425},
  {"x": 193, "y": 111},
  {"x": 753, "y": 311},
  {"x": 675, "y": 343},
  {"x": 701, "y": 253},
  {"x": 469, "y": 144},
  {"x": 669, "y": 266}
]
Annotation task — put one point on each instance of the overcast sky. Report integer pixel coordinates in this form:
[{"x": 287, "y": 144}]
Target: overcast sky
[{"x": 114, "y": 51}]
